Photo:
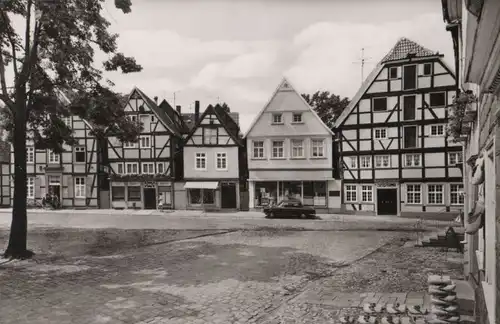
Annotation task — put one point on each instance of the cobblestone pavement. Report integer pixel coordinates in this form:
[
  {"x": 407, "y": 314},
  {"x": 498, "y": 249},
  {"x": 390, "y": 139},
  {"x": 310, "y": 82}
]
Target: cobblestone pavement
[{"x": 238, "y": 277}]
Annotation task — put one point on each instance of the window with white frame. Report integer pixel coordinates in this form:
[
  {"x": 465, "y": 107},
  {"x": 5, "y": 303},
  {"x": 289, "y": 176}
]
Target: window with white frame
[
  {"x": 382, "y": 161},
  {"x": 413, "y": 194},
  {"x": 132, "y": 168},
  {"x": 160, "y": 167},
  {"x": 67, "y": 121},
  {"x": 80, "y": 187},
  {"x": 148, "y": 168},
  {"x": 278, "y": 149},
  {"x": 119, "y": 168},
  {"x": 435, "y": 194},
  {"x": 412, "y": 160},
  {"x": 258, "y": 149},
  {"x": 455, "y": 158},
  {"x": 129, "y": 145},
  {"x": 380, "y": 133},
  {"x": 437, "y": 130},
  {"x": 367, "y": 193},
  {"x": 145, "y": 141},
  {"x": 365, "y": 162},
  {"x": 277, "y": 118},
  {"x": 297, "y": 118},
  {"x": 80, "y": 154},
  {"x": 133, "y": 118},
  {"x": 354, "y": 162},
  {"x": 456, "y": 194},
  {"x": 31, "y": 187},
  {"x": 54, "y": 157},
  {"x": 297, "y": 148},
  {"x": 221, "y": 163},
  {"x": 318, "y": 148},
  {"x": 351, "y": 193},
  {"x": 200, "y": 162},
  {"x": 30, "y": 154}
]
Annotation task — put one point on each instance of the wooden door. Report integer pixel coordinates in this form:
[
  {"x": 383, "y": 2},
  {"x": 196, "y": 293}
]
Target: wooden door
[{"x": 387, "y": 201}]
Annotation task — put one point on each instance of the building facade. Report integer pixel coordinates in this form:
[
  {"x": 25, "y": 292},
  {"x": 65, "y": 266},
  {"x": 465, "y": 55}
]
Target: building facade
[
  {"x": 71, "y": 175},
  {"x": 290, "y": 154},
  {"x": 395, "y": 152},
  {"x": 143, "y": 173},
  {"x": 4, "y": 174},
  {"x": 212, "y": 159},
  {"x": 475, "y": 30}
]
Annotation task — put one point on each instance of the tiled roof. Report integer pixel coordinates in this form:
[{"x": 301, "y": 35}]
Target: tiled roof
[
  {"x": 160, "y": 112},
  {"x": 405, "y": 47}
]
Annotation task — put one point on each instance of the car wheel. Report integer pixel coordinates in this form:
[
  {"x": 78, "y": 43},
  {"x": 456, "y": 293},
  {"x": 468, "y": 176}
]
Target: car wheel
[
  {"x": 303, "y": 216},
  {"x": 270, "y": 215}
]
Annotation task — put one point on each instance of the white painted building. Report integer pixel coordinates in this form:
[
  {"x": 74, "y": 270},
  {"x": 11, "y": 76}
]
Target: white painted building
[
  {"x": 395, "y": 153},
  {"x": 290, "y": 154}
]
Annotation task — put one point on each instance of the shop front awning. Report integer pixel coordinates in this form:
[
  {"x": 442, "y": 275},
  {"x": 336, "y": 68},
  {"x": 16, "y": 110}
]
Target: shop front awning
[{"x": 201, "y": 185}]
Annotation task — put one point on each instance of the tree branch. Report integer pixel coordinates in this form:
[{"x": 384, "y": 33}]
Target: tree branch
[
  {"x": 30, "y": 57},
  {"x": 4, "y": 95},
  {"x": 12, "y": 42},
  {"x": 28, "y": 27}
]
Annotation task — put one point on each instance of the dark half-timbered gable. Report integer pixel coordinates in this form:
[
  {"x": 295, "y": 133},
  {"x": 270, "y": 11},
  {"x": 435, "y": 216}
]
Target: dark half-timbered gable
[
  {"x": 212, "y": 168},
  {"x": 71, "y": 175},
  {"x": 143, "y": 173},
  {"x": 290, "y": 154},
  {"x": 395, "y": 152}
]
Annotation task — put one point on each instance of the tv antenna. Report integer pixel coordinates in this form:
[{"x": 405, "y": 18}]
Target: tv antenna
[{"x": 362, "y": 61}]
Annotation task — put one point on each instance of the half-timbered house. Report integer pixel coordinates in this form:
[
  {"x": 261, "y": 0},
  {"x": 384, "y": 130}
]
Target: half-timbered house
[
  {"x": 71, "y": 175},
  {"x": 290, "y": 154},
  {"x": 213, "y": 163},
  {"x": 143, "y": 173},
  {"x": 395, "y": 152}
]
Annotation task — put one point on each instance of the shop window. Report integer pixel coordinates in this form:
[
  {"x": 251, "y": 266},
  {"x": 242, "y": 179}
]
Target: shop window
[
  {"x": 314, "y": 193},
  {"x": 117, "y": 193},
  {"x": 265, "y": 193},
  {"x": 134, "y": 193}
]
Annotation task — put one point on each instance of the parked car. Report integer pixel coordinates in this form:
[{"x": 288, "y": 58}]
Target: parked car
[{"x": 289, "y": 208}]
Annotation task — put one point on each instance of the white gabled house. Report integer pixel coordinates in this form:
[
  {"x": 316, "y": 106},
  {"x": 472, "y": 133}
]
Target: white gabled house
[{"x": 290, "y": 154}]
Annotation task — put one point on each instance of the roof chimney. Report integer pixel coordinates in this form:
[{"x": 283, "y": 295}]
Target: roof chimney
[
  {"x": 196, "y": 111},
  {"x": 156, "y": 99},
  {"x": 178, "y": 108}
]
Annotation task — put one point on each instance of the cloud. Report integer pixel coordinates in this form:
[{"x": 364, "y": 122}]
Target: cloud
[{"x": 329, "y": 53}]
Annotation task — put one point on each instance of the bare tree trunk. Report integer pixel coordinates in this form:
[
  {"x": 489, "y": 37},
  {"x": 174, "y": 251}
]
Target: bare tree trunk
[{"x": 17, "y": 247}]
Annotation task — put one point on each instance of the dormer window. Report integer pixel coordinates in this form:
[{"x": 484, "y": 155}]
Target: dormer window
[{"x": 297, "y": 118}]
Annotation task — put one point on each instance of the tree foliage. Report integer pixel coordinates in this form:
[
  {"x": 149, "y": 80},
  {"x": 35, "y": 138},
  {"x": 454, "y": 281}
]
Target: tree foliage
[
  {"x": 327, "y": 105},
  {"x": 51, "y": 58}
]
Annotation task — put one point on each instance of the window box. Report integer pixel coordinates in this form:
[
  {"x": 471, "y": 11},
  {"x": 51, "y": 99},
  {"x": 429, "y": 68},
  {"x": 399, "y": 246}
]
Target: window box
[{"x": 139, "y": 177}]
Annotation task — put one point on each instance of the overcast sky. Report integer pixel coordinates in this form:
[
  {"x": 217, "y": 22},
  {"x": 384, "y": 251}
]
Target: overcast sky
[{"x": 239, "y": 50}]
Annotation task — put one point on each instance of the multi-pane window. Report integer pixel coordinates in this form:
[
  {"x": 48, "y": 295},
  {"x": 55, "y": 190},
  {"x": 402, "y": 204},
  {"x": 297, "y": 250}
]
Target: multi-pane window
[
  {"x": 413, "y": 194},
  {"x": 221, "y": 163},
  {"x": 318, "y": 148},
  {"x": 30, "y": 154},
  {"x": 380, "y": 133},
  {"x": 31, "y": 187},
  {"x": 435, "y": 194},
  {"x": 437, "y": 130},
  {"x": 278, "y": 149},
  {"x": 351, "y": 193},
  {"x": 209, "y": 135},
  {"x": 200, "y": 162},
  {"x": 379, "y": 104},
  {"x": 79, "y": 187},
  {"x": 148, "y": 168},
  {"x": 160, "y": 168},
  {"x": 54, "y": 157},
  {"x": 365, "y": 162},
  {"x": 258, "y": 149},
  {"x": 132, "y": 168},
  {"x": 412, "y": 160},
  {"x": 297, "y": 118},
  {"x": 119, "y": 168},
  {"x": 145, "y": 141},
  {"x": 80, "y": 154},
  {"x": 67, "y": 121},
  {"x": 455, "y": 158},
  {"x": 277, "y": 118},
  {"x": 297, "y": 148},
  {"x": 129, "y": 145},
  {"x": 438, "y": 99},
  {"x": 354, "y": 162},
  {"x": 366, "y": 193},
  {"x": 382, "y": 161},
  {"x": 456, "y": 194},
  {"x": 133, "y": 118}
]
